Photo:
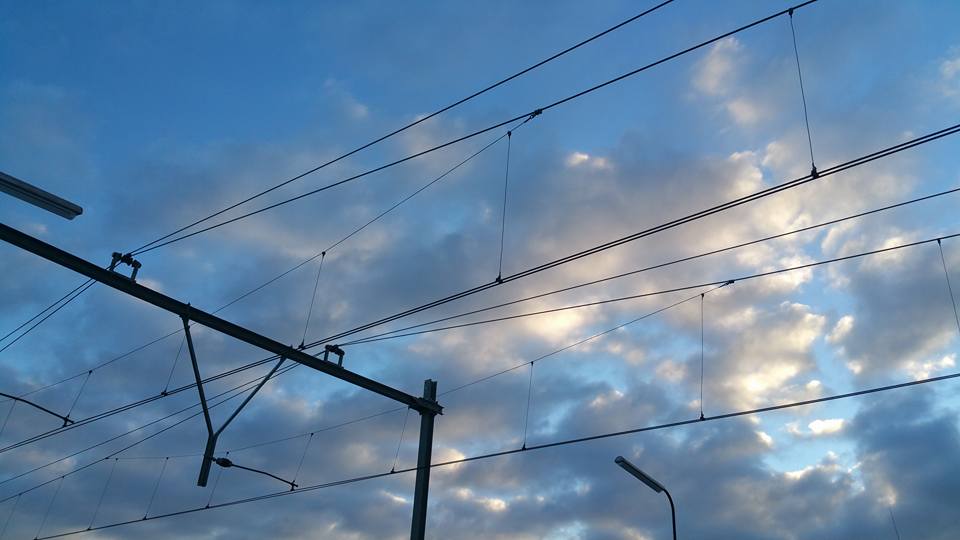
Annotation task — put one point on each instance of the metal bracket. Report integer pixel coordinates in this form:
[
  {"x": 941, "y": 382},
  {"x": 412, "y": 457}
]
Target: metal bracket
[
  {"x": 335, "y": 349},
  {"x": 212, "y": 435},
  {"x": 224, "y": 462},
  {"x": 127, "y": 260}
]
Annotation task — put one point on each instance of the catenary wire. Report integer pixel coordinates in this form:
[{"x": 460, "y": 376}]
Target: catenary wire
[
  {"x": 297, "y": 266},
  {"x": 623, "y": 298},
  {"x": 659, "y": 292},
  {"x": 236, "y": 391},
  {"x": 906, "y": 145},
  {"x": 763, "y": 193},
  {"x": 419, "y": 120},
  {"x": 555, "y": 444},
  {"x": 663, "y": 264},
  {"x": 525, "y": 116}
]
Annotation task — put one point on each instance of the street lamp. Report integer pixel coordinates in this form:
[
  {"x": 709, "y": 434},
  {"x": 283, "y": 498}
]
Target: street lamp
[
  {"x": 38, "y": 197},
  {"x": 651, "y": 483}
]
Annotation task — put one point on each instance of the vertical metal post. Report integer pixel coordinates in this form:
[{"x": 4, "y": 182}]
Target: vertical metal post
[{"x": 419, "y": 525}]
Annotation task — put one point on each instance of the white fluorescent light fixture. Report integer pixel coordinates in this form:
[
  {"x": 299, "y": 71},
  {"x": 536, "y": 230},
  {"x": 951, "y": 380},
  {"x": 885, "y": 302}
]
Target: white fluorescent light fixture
[
  {"x": 640, "y": 475},
  {"x": 38, "y": 197}
]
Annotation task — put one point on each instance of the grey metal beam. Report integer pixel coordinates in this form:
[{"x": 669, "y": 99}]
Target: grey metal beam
[
  {"x": 162, "y": 301},
  {"x": 43, "y": 199}
]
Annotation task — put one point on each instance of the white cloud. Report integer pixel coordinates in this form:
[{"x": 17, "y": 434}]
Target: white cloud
[
  {"x": 840, "y": 329},
  {"x": 715, "y": 71}
]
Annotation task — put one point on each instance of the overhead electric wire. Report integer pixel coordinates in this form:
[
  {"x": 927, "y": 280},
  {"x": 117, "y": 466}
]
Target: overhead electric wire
[
  {"x": 715, "y": 284},
  {"x": 906, "y": 145},
  {"x": 236, "y": 391},
  {"x": 297, "y": 266},
  {"x": 525, "y": 116},
  {"x": 83, "y": 289},
  {"x": 659, "y": 292},
  {"x": 936, "y": 135},
  {"x": 844, "y": 166},
  {"x": 477, "y": 381},
  {"x": 658, "y": 265},
  {"x": 577, "y": 306},
  {"x": 416, "y": 122},
  {"x": 44, "y": 310},
  {"x": 531, "y": 448}
]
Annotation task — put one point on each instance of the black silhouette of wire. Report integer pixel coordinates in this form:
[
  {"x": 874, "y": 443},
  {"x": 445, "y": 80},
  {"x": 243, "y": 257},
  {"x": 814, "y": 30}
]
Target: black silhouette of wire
[
  {"x": 82, "y": 290},
  {"x": 236, "y": 391},
  {"x": 654, "y": 293},
  {"x": 561, "y": 443},
  {"x": 946, "y": 274},
  {"x": 416, "y": 122},
  {"x": 803, "y": 95},
  {"x": 526, "y": 117},
  {"x": 936, "y": 135},
  {"x": 44, "y": 310}
]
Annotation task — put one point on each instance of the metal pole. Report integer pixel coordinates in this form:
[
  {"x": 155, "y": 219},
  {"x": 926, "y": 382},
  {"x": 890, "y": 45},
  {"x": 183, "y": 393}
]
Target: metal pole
[
  {"x": 419, "y": 525},
  {"x": 673, "y": 513}
]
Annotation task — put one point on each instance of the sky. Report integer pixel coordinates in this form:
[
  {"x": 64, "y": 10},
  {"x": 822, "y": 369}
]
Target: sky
[{"x": 151, "y": 115}]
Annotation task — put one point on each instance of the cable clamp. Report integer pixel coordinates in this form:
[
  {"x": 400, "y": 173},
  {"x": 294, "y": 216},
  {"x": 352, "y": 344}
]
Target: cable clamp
[
  {"x": 128, "y": 260},
  {"x": 335, "y": 349}
]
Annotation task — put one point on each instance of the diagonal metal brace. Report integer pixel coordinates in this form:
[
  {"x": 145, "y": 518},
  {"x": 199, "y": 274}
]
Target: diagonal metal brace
[
  {"x": 212, "y": 435},
  {"x": 66, "y": 419}
]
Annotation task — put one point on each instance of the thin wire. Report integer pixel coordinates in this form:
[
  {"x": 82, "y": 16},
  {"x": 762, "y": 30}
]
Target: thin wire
[
  {"x": 7, "y": 418},
  {"x": 787, "y": 185},
  {"x": 526, "y": 414},
  {"x": 396, "y": 458},
  {"x": 237, "y": 391},
  {"x": 701, "y": 355},
  {"x": 297, "y": 266},
  {"x": 79, "y": 393},
  {"x": 422, "y": 119},
  {"x": 652, "y": 293},
  {"x": 803, "y": 96},
  {"x": 946, "y": 274},
  {"x": 174, "y": 366},
  {"x": 313, "y": 298},
  {"x": 655, "y": 230},
  {"x": 10, "y": 517},
  {"x": 216, "y": 481},
  {"x": 385, "y": 212},
  {"x": 49, "y": 507},
  {"x": 156, "y": 487},
  {"x": 895, "y": 529},
  {"x": 103, "y": 493},
  {"x": 630, "y": 297},
  {"x": 662, "y": 265},
  {"x": 560, "y": 443},
  {"x": 44, "y": 310},
  {"x": 302, "y": 456},
  {"x": 89, "y": 284},
  {"x": 503, "y": 218},
  {"x": 528, "y": 116},
  {"x": 476, "y": 381}
]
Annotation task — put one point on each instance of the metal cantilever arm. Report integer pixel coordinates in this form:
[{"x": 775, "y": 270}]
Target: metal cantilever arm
[
  {"x": 66, "y": 420},
  {"x": 212, "y": 435}
]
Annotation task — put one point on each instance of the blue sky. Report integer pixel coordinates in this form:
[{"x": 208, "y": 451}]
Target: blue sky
[{"x": 152, "y": 115}]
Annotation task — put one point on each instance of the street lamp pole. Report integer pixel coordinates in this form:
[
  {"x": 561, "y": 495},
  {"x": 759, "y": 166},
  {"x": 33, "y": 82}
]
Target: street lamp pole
[{"x": 652, "y": 484}]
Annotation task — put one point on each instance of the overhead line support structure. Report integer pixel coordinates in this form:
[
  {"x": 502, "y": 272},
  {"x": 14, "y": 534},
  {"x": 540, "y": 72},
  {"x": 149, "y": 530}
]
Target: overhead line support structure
[{"x": 427, "y": 405}]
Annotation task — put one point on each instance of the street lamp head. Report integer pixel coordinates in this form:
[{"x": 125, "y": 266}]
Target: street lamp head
[{"x": 638, "y": 474}]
